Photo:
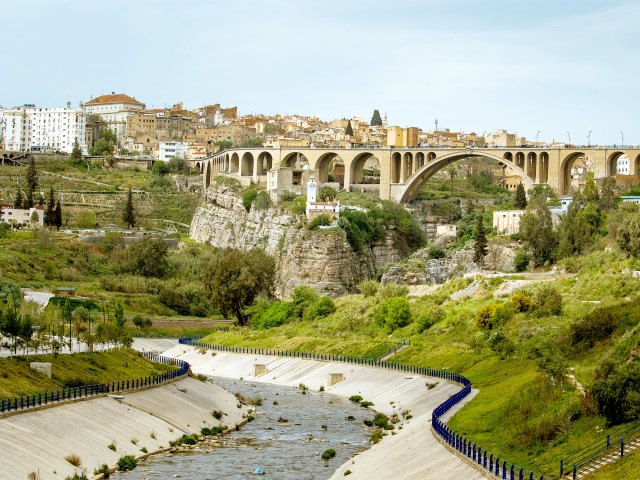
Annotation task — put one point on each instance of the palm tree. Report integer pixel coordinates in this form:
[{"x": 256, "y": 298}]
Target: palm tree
[{"x": 452, "y": 170}]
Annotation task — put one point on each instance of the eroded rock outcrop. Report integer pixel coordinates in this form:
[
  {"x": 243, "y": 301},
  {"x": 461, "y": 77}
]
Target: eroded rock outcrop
[{"x": 321, "y": 259}]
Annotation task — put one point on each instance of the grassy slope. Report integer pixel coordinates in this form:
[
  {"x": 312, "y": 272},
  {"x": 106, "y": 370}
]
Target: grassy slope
[
  {"x": 517, "y": 405},
  {"x": 16, "y": 378}
]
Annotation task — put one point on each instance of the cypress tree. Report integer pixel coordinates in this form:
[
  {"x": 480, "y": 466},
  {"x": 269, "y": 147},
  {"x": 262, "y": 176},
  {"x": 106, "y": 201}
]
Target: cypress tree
[
  {"x": 521, "y": 197},
  {"x": 50, "y": 214},
  {"x": 376, "y": 120},
  {"x": 32, "y": 180},
  {"x": 28, "y": 201},
  {"x": 129, "y": 215},
  {"x": 480, "y": 249},
  {"x": 19, "y": 201},
  {"x": 57, "y": 222},
  {"x": 349, "y": 129},
  {"x": 41, "y": 199}
]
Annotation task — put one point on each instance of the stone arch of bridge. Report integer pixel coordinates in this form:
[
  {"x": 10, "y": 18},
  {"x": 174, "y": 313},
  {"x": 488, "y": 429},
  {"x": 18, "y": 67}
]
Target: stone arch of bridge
[
  {"x": 294, "y": 159},
  {"x": 564, "y": 182},
  {"x": 356, "y": 168},
  {"x": 543, "y": 166},
  {"x": 265, "y": 162},
  {"x": 322, "y": 165},
  {"x": 612, "y": 163},
  {"x": 417, "y": 181},
  {"x": 234, "y": 167},
  {"x": 246, "y": 164},
  {"x": 531, "y": 165},
  {"x": 396, "y": 167}
]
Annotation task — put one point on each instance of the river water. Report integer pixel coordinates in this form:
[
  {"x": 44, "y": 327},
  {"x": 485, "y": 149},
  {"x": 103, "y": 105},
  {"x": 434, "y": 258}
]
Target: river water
[{"x": 286, "y": 450}]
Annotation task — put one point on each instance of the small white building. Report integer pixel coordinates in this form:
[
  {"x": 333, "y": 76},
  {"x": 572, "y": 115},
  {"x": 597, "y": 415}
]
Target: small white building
[
  {"x": 315, "y": 208},
  {"x": 169, "y": 150},
  {"x": 446, "y": 230},
  {"x": 22, "y": 216},
  {"x": 623, "y": 165},
  {"x": 631, "y": 199},
  {"x": 507, "y": 222}
]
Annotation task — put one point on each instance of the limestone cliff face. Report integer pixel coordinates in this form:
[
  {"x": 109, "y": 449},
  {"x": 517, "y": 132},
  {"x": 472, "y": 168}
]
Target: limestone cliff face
[{"x": 321, "y": 259}]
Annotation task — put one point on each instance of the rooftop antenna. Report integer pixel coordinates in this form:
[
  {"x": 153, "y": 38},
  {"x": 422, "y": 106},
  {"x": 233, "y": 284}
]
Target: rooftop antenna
[{"x": 436, "y": 125}]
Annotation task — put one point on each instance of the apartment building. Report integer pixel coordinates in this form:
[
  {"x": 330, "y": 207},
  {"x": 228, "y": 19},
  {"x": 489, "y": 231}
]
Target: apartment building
[
  {"x": 32, "y": 129},
  {"x": 113, "y": 110}
]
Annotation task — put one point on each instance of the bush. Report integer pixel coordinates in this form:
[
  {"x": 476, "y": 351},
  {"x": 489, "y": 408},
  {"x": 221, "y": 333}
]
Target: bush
[
  {"x": 618, "y": 396},
  {"x": 328, "y": 454},
  {"x": 268, "y": 315},
  {"x": 393, "y": 313},
  {"x": 501, "y": 344},
  {"x": 321, "y": 220},
  {"x": 428, "y": 318},
  {"x": 368, "y": 288},
  {"x": 521, "y": 260},
  {"x": 390, "y": 290},
  {"x": 436, "y": 252},
  {"x": 546, "y": 301},
  {"x": 128, "y": 462},
  {"x": 504, "y": 312},
  {"x": 485, "y": 317},
  {"x": 262, "y": 201},
  {"x": 596, "y": 325},
  {"x": 248, "y": 197},
  {"x": 322, "y": 307},
  {"x": 327, "y": 194},
  {"x": 521, "y": 301},
  {"x": 73, "y": 460},
  {"x": 289, "y": 196}
]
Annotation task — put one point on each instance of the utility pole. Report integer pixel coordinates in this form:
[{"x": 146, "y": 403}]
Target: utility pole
[{"x": 589, "y": 139}]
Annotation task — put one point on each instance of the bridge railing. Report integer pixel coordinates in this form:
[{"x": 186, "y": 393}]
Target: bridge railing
[
  {"x": 481, "y": 457},
  {"x": 26, "y": 402}
]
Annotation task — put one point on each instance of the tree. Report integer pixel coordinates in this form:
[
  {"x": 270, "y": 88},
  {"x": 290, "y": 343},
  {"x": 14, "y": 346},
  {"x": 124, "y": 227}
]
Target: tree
[
  {"x": 452, "y": 170},
  {"x": 76, "y": 154},
  {"x": 32, "y": 179},
  {"x": 578, "y": 227},
  {"x": 19, "y": 201},
  {"x": 591, "y": 191},
  {"x": 50, "y": 214},
  {"x": 393, "y": 313},
  {"x": 608, "y": 199},
  {"x": 349, "y": 129},
  {"x": 106, "y": 144},
  {"x": 148, "y": 257},
  {"x": 327, "y": 194},
  {"x": 235, "y": 278},
  {"x": 520, "y": 201},
  {"x": 28, "y": 201},
  {"x": 376, "y": 120},
  {"x": 57, "y": 221},
  {"x": 536, "y": 229},
  {"x": 480, "y": 248},
  {"x": 628, "y": 233},
  {"x": 224, "y": 145},
  {"x": 129, "y": 214}
]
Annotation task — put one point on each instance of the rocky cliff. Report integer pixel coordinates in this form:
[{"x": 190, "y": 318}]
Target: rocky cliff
[{"x": 322, "y": 259}]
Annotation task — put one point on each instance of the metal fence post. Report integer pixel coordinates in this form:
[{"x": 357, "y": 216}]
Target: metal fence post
[{"x": 622, "y": 447}]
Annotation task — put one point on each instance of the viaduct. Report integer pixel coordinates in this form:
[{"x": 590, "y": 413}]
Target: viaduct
[{"x": 404, "y": 171}]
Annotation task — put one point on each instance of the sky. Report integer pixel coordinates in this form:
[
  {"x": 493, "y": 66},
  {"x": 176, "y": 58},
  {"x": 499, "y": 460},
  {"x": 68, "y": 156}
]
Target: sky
[{"x": 558, "y": 67}]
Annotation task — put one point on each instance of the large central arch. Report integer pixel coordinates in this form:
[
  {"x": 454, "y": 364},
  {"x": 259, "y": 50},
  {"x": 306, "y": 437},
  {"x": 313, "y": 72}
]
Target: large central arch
[{"x": 419, "y": 178}]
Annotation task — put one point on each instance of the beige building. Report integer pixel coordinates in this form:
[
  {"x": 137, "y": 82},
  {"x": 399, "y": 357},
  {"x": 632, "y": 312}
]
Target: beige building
[
  {"x": 502, "y": 138},
  {"x": 402, "y": 137},
  {"x": 507, "y": 222},
  {"x": 113, "y": 110}
]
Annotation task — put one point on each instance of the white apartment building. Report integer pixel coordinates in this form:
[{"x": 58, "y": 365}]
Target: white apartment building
[
  {"x": 113, "y": 110},
  {"x": 507, "y": 222},
  {"x": 169, "y": 150},
  {"x": 32, "y": 129},
  {"x": 20, "y": 216}
]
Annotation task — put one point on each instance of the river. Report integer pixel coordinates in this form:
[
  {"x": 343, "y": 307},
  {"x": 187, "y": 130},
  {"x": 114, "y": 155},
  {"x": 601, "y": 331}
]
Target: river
[{"x": 287, "y": 450}]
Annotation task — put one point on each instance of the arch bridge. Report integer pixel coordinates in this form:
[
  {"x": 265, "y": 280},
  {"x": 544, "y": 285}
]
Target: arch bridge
[{"x": 399, "y": 173}]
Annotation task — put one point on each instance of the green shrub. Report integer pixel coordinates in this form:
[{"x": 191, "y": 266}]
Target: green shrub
[
  {"x": 368, "y": 288},
  {"x": 596, "y": 325},
  {"x": 380, "y": 420},
  {"x": 521, "y": 260},
  {"x": 327, "y": 194},
  {"x": 328, "y": 454},
  {"x": 128, "y": 462},
  {"x": 262, "y": 201},
  {"x": 268, "y": 315},
  {"x": 185, "y": 440},
  {"x": 436, "y": 252},
  {"x": 301, "y": 298},
  {"x": 504, "y": 312},
  {"x": 485, "y": 317},
  {"x": 299, "y": 205},
  {"x": 321, "y": 220},
  {"x": 393, "y": 313},
  {"x": 322, "y": 307},
  {"x": 289, "y": 196},
  {"x": 428, "y": 318},
  {"x": 355, "y": 398},
  {"x": 521, "y": 301},
  {"x": 546, "y": 301},
  {"x": 617, "y": 397},
  {"x": 248, "y": 197},
  {"x": 390, "y": 290},
  {"x": 501, "y": 344}
]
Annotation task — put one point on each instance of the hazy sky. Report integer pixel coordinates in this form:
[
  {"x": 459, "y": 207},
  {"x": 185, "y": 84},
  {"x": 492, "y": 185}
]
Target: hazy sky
[{"x": 552, "y": 65}]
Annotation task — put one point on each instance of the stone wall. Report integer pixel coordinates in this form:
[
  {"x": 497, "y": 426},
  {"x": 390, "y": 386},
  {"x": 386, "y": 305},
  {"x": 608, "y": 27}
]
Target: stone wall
[{"x": 321, "y": 259}]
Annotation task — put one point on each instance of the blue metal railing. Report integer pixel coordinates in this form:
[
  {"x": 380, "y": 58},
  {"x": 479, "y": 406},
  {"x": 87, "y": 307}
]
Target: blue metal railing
[
  {"x": 493, "y": 464},
  {"x": 26, "y": 402}
]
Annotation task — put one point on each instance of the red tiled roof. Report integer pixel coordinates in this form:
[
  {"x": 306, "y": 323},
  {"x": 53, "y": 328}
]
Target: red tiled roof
[{"x": 113, "y": 98}]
